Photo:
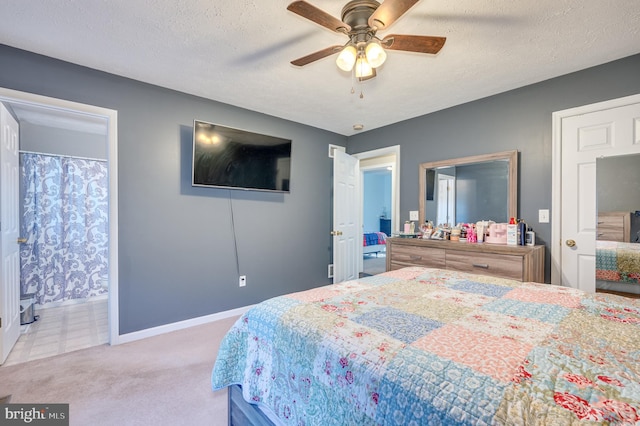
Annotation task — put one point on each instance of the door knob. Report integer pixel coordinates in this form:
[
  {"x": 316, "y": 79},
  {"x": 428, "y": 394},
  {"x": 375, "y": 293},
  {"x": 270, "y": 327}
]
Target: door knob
[
  {"x": 571, "y": 243},
  {"x": 335, "y": 233},
  {"x": 22, "y": 240}
]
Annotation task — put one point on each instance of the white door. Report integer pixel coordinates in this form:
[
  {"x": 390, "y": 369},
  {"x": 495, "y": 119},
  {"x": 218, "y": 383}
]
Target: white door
[
  {"x": 9, "y": 233},
  {"x": 585, "y": 137},
  {"x": 346, "y": 214}
]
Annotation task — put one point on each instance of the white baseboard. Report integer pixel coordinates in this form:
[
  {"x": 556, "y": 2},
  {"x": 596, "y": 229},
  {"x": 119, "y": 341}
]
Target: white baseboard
[{"x": 181, "y": 325}]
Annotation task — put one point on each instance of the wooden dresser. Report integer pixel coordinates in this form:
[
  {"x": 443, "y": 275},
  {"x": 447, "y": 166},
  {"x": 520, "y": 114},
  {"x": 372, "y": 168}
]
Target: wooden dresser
[
  {"x": 614, "y": 226},
  {"x": 524, "y": 263}
]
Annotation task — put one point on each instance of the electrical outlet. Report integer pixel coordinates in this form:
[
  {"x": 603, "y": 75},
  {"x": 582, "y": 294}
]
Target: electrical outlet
[
  {"x": 243, "y": 280},
  {"x": 543, "y": 215},
  {"x": 413, "y": 215}
]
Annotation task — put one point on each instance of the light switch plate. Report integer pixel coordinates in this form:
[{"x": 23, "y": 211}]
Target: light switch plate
[
  {"x": 413, "y": 215},
  {"x": 543, "y": 215}
]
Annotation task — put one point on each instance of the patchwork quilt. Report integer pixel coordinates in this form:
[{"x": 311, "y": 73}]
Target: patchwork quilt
[
  {"x": 420, "y": 346},
  {"x": 616, "y": 261}
]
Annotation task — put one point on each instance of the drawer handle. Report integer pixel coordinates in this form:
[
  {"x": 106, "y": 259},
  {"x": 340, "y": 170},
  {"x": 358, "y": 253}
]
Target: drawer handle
[
  {"x": 600, "y": 234},
  {"x": 414, "y": 257},
  {"x": 481, "y": 265}
]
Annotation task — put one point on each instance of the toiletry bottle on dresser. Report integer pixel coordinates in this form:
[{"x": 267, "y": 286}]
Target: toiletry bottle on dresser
[
  {"x": 512, "y": 232},
  {"x": 522, "y": 232},
  {"x": 531, "y": 238}
]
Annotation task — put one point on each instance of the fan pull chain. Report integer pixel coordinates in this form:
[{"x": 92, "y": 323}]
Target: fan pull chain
[{"x": 353, "y": 80}]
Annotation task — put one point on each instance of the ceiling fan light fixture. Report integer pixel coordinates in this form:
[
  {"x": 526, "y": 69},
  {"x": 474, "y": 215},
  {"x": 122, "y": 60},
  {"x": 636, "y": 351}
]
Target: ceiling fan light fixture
[
  {"x": 375, "y": 54},
  {"x": 360, "y": 21},
  {"x": 347, "y": 58},
  {"x": 363, "y": 68}
]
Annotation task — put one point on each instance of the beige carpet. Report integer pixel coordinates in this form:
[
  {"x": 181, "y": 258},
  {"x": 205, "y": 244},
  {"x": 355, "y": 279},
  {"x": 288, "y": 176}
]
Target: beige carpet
[
  {"x": 374, "y": 264},
  {"x": 162, "y": 380}
]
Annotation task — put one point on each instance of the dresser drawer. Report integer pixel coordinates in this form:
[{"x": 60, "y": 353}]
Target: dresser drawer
[
  {"x": 497, "y": 265},
  {"x": 522, "y": 263},
  {"x": 606, "y": 234},
  {"x": 402, "y": 256},
  {"x": 613, "y": 226},
  {"x": 610, "y": 228}
]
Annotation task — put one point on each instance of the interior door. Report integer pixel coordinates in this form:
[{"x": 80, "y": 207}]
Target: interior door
[
  {"x": 346, "y": 214},
  {"x": 9, "y": 232},
  {"x": 585, "y": 137}
]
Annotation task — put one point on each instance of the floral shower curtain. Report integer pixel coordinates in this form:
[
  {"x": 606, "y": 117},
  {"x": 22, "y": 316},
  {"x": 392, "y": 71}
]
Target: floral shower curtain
[{"x": 65, "y": 222}]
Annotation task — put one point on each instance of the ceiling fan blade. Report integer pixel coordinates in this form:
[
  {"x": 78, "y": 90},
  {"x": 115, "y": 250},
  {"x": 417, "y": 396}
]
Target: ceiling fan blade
[
  {"x": 388, "y": 12},
  {"x": 316, "y": 55},
  {"x": 413, "y": 43},
  {"x": 320, "y": 17}
]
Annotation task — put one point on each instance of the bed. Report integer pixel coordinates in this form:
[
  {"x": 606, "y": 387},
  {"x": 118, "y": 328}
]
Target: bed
[
  {"x": 433, "y": 347},
  {"x": 374, "y": 242},
  {"x": 618, "y": 266}
]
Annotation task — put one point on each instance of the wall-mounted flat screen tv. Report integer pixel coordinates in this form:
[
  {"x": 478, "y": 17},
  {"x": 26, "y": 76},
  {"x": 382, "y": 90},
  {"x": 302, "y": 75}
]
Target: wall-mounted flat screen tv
[{"x": 230, "y": 158}]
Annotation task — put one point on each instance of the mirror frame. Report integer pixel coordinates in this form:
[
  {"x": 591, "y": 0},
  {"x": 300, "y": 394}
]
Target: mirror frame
[{"x": 510, "y": 156}]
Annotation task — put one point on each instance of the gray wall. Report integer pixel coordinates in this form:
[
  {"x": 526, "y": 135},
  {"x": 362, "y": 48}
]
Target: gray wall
[
  {"x": 176, "y": 247},
  {"x": 519, "y": 119}
]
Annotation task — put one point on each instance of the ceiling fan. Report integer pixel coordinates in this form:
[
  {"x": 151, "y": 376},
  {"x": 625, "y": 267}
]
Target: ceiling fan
[{"x": 361, "y": 20}]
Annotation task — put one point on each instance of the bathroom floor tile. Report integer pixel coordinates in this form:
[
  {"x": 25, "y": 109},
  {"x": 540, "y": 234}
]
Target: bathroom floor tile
[{"x": 62, "y": 329}]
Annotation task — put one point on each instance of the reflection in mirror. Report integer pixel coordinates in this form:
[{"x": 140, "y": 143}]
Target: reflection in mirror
[
  {"x": 469, "y": 189},
  {"x": 618, "y": 231}
]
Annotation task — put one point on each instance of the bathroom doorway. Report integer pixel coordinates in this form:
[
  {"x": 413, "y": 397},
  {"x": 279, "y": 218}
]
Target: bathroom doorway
[{"x": 57, "y": 135}]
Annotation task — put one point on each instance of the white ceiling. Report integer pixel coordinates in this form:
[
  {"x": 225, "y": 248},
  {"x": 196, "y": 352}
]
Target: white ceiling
[{"x": 238, "y": 51}]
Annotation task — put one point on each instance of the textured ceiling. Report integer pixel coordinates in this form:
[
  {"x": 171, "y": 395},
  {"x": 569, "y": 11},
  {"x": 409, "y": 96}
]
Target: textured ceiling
[{"x": 238, "y": 52}]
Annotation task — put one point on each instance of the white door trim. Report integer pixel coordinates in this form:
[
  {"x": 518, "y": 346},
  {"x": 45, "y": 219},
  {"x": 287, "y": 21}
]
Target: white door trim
[
  {"x": 14, "y": 96},
  {"x": 556, "y": 173}
]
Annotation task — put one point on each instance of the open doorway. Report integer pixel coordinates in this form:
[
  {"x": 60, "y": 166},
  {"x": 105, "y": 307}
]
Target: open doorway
[
  {"x": 379, "y": 171},
  {"x": 376, "y": 218},
  {"x": 74, "y": 305}
]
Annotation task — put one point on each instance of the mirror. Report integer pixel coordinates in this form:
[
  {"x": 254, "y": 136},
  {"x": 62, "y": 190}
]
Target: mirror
[
  {"x": 469, "y": 189},
  {"x": 618, "y": 224},
  {"x": 618, "y": 194}
]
